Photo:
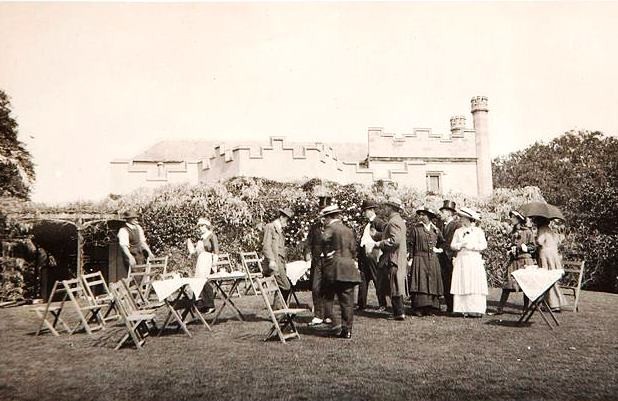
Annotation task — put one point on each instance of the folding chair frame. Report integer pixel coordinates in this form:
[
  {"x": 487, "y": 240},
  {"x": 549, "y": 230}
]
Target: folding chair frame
[
  {"x": 247, "y": 260},
  {"x": 75, "y": 290},
  {"x": 54, "y": 311},
  {"x": 106, "y": 299},
  {"x": 281, "y": 319},
  {"x": 574, "y": 267},
  {"x": 135, "y": 321}
]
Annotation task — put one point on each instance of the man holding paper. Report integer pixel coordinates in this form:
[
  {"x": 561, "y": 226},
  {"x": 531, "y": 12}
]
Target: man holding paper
[{"x": 368, "y": 257}]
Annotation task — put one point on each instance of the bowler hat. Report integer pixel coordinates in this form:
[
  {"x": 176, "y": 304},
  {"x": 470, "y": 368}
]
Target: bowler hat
[
  {"x": 395, "y": 202},
  {"x": 449, "y": 205},
  {"x": 368, "y": 204},
  {"x": 428, "y": 211},
  {"x": 129, "y": 214},
  {"x": 286, "y": 212},
  {"x": 332, "y": 209}
]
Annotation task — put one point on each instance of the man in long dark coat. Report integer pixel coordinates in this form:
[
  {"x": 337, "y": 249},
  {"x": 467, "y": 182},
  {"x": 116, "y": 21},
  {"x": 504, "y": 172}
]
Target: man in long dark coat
[
  {"x": 368, "y": 257},
  {"x": 451, "y": 223},
  {"x": 340, "y": 274},
  {"x": 394, "y": 257}
]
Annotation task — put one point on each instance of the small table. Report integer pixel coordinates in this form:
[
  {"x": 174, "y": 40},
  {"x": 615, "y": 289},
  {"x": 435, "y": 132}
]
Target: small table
[
  {"x": 536, "y": 283},
  {"x": 187, "y": 291},
  {"x": 222, "y": 277},
  {"x": 294, "y": 271}
]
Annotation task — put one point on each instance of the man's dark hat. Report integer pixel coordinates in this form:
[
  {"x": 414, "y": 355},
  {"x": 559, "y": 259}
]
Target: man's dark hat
[
  {"x": 368, "y": 204},
  {"x": 129, "y": 214},
  {"x": 449, "y": 205}
]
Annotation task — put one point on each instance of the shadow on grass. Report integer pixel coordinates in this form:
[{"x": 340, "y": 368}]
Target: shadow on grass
[{"x": 507, "y": 323}]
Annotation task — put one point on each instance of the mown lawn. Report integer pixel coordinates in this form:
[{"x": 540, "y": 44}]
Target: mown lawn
[{"x": 430, "y": 358}]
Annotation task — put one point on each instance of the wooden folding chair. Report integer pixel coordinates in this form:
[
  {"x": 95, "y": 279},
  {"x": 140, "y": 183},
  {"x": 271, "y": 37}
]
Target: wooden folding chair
[
  {"x": 142, "y": 276},
  {"x": 87, "y": 311},
  {"x": 93, "y": 283},
  {"x": 158, "y": 265},
  {"x": 282, "y": 319},
  {"x": 136, "y": 322},
  {"x": 573, "y": 284},
  {"x": 140, "y": 294},
  {"x": 252, "y": 264},
  {"x": 224, "y": 263},
  {"x": 53, "y": 311}
]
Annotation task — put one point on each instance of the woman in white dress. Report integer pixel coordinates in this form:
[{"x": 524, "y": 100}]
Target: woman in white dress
[
  {"x": 206, "y": 248},
  {"x": 549, "y": 258},
  {"x": 469, "y": 282}
]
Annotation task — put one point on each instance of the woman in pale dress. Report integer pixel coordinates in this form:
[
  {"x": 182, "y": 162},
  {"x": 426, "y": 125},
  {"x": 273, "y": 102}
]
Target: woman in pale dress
[
  {"x": 206, "y": 248},
  {"x": 549, "y": 258},
  {"x": 469, "y": 282}
]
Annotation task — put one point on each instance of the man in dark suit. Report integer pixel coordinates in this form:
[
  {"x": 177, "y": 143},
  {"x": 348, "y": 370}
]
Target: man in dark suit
[
  {"x": 339, "y": 271},
  {"x": 394, "y": 259},
  {"x": 368, "y": 257},
  {"x": 451, "y": 223}
]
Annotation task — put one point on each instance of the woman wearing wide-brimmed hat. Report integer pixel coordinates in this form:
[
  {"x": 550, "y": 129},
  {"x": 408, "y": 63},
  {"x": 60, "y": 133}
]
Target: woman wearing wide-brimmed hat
[
  {"x": 520, "y": 252},
  {"x": 425, "y": 276},
  {"x": 469, "y": 282},
  {"x": 549, "y": 258}
]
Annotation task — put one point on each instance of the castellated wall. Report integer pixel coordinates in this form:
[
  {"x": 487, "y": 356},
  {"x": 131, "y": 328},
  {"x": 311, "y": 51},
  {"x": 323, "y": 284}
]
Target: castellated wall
[
  {"x": 422, "y": 143},
  {"x": 128, "y": 175}
]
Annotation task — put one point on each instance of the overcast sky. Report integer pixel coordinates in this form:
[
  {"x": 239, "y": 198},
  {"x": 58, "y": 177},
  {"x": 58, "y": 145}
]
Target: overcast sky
[{"x": 95, "y": 82}]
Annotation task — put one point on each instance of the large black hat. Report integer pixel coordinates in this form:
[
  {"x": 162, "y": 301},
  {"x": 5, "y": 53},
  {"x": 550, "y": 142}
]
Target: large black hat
[
  {"x": 368, "y": 204},
  {"x": 129, "y": 214},
  {"x": 449, "y": 205},
  {"x": 428, "y": 211}
]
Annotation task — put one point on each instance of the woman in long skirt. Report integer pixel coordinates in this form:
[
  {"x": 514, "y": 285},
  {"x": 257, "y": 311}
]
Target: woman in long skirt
[
  {"x": 469, "y": 282},
  {"x": 425, "y": 276},
  {"x": 520, "y": 252},
  {"x": 206, "y": 248},
  {"x": 549, "y": 258}
]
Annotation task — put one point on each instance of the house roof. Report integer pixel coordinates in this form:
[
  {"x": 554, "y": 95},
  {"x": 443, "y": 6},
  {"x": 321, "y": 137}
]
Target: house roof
[{"x": 193, "y": 150}]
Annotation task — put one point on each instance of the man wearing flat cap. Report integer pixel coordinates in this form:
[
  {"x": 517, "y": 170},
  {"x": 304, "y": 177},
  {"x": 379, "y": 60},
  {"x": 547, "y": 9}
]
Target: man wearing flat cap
[
  {"x": 369, "y": 255},
  {"x": 132, "y": 243},
  {"x": 451, "y": 223},
  {"x": 394, "y": 256},
  {"x": 339, "y": 271},
  {"x": 274, "y": 251}
]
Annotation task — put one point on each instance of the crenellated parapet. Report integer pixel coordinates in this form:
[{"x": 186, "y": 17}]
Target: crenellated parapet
[{"x": 479, "y": 103}]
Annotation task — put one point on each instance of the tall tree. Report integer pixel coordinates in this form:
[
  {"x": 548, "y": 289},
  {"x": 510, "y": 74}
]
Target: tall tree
[{"x": 16, "y": 167}]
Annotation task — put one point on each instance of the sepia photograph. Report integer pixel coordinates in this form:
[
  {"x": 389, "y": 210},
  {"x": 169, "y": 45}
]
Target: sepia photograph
[{"x": 308, "y": 200}]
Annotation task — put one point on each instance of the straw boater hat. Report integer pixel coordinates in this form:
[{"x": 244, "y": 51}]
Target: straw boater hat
[
  {"x": 286, "y": 212},
  {"x": 449, "y": 205},
  {"x": 368, "y": 204},
  {"x": 395, "y": 202},
  {"x": 328, "y": 210},
  {"x": 518, "y": 215},
  {"x": 203, "y": 222},
  {"x": 469, "y": 213},
  {"x": 426, "y": 210},
  {"x": 129, "y": 214}
]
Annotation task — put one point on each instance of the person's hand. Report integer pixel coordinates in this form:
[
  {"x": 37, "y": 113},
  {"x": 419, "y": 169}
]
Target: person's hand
[
  {"x": 215, "y": 258},
  {"x": 150, "y": 255},
  {"x": 308, "y": 257},
  {"x": 524, "y": 248},
  {"x": 372, "y": 231},
  {"x": 272, "y": 265},
  {"x": 132, "y": 262}
]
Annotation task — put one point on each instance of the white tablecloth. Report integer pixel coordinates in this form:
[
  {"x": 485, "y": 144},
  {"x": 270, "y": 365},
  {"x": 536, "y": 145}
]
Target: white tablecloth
[
  {"x": 534, "y": 281},
  {"x": 165, "y": 288},
  {"x": 295, "y": 270}
]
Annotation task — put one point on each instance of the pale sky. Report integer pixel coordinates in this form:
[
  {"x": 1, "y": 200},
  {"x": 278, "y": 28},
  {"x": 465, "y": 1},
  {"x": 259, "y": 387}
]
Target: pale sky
[{"x": 95, "y": 82}]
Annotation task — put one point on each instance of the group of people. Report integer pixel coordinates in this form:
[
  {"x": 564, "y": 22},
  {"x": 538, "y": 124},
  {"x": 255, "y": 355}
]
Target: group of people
[{"x": 426, "y": 262}]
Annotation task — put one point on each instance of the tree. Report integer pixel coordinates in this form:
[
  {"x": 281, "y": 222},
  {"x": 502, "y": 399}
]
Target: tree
[
  {"x": 578, "y": 172},
  {"x": 16, "y": 167}
]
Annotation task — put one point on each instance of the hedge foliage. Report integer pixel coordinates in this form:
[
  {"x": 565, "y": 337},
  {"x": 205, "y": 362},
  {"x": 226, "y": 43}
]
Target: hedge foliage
[{"x": 239, "y": 208}]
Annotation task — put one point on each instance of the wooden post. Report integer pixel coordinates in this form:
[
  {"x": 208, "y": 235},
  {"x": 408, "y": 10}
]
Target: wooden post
[{"x": 80, "y": 250}]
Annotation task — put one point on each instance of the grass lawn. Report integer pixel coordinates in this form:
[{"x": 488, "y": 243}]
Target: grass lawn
[{"x": 430, "y": 358}]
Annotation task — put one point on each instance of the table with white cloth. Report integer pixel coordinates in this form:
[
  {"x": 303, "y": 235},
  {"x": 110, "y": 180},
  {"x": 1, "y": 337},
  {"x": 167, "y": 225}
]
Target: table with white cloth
[
  {"x": 295, "y": 270},
  {"x": 180, "y": 295},
  {"x": 536, "y": 283},
  {"x": 218, "y": 279}
]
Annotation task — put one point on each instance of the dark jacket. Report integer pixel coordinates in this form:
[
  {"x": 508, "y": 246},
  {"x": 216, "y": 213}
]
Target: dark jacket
[
  {"x": 447, "y": 237},
  {"x": 338, "y": 254},
  {"x": 393, "y": 244}
]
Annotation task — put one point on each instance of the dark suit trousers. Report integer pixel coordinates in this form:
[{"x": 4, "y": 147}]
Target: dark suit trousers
[
  {"x": 345, "y": 296},
  {"x": 369, "y": 273},
  {"x": 446, "y": 267},
  {"x": 316, "y": 282}
]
